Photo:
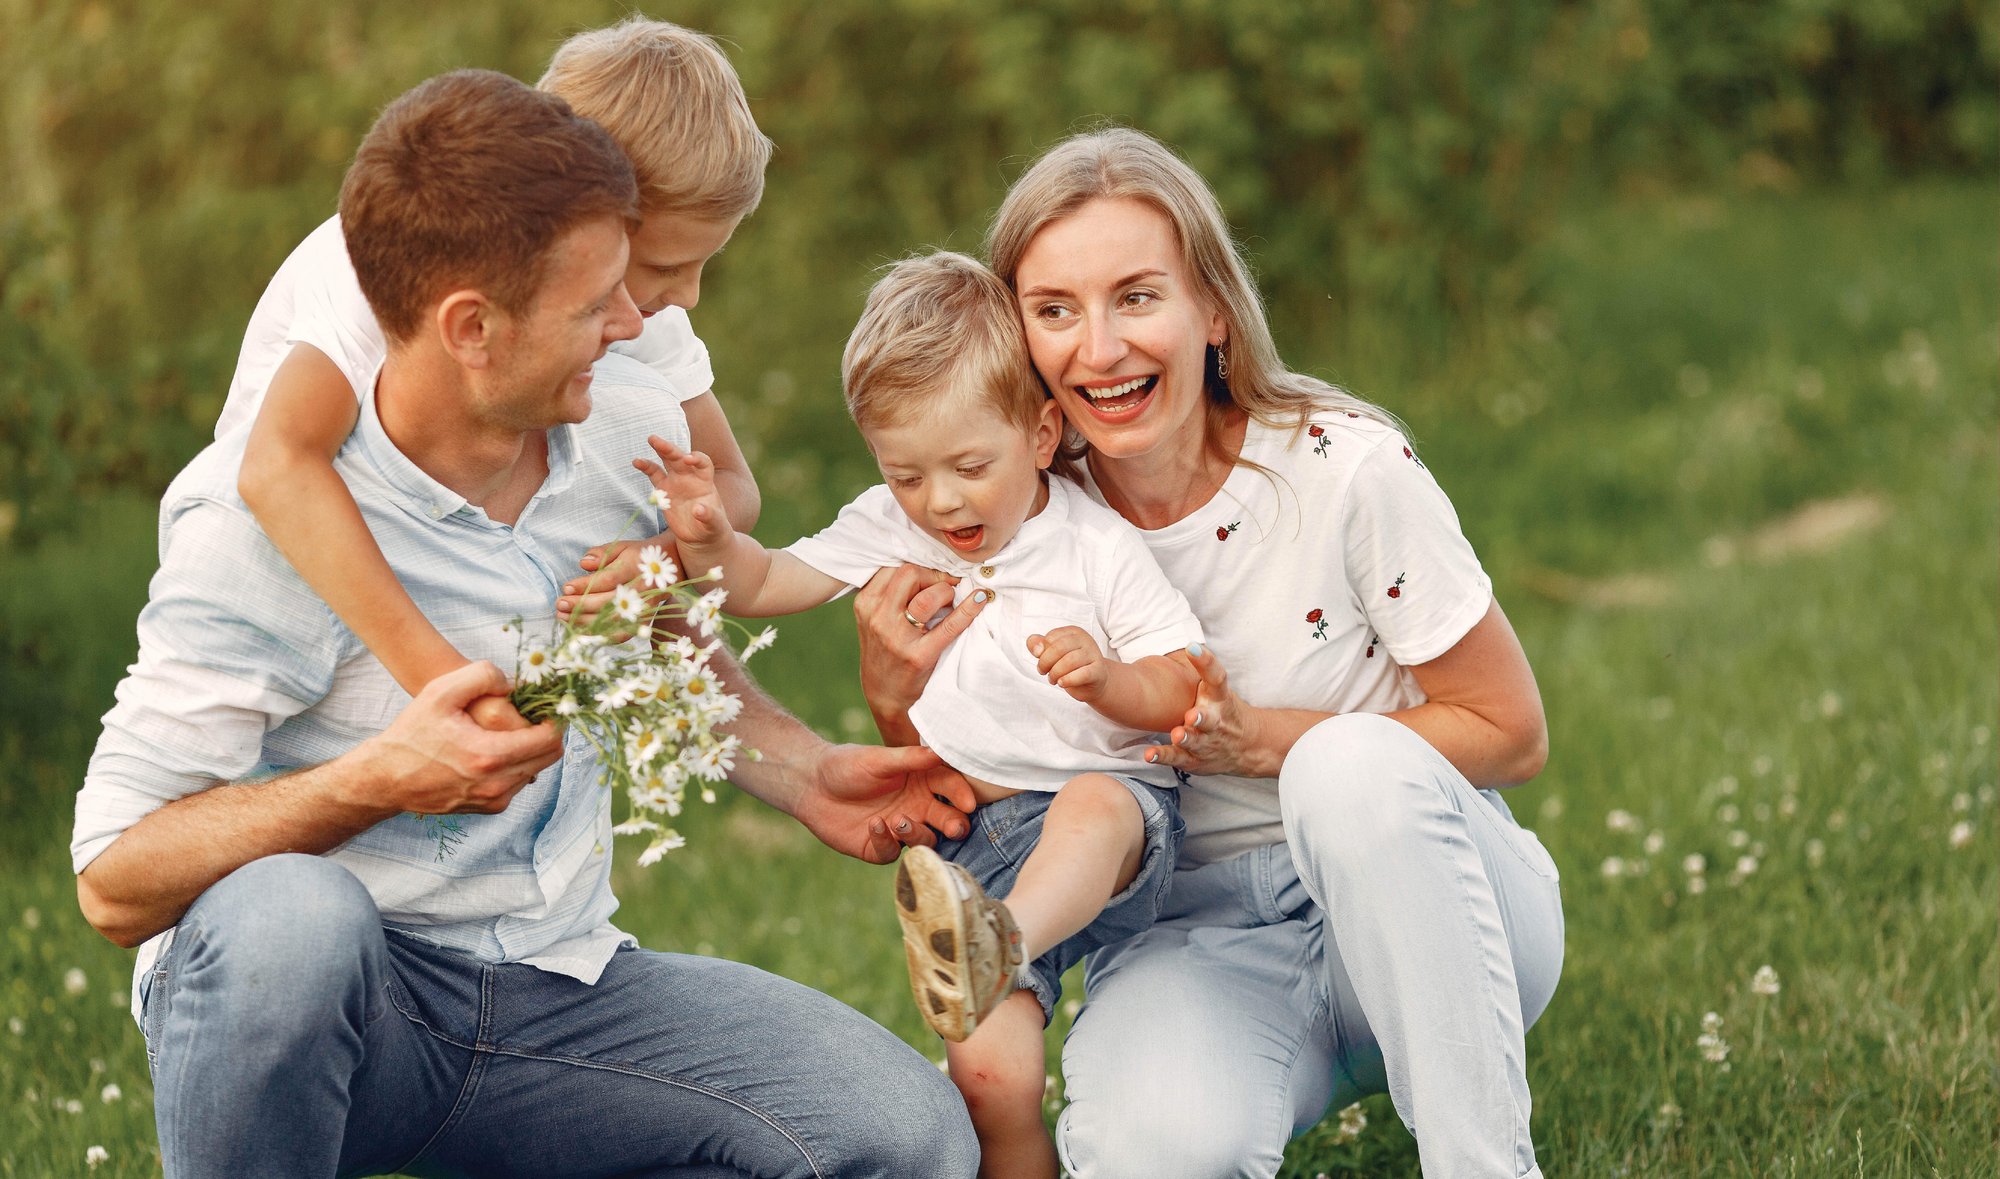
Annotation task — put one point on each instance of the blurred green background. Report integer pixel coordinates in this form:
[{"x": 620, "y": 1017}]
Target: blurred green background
[{"x": 1691, "y": 305}]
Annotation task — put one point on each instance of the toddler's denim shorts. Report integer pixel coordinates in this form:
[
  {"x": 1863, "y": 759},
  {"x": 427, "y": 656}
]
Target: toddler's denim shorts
[{"x": 1004, "y": 832}]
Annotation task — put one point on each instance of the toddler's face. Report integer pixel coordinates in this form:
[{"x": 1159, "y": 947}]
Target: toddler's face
[{"x": 966, "y": 474}]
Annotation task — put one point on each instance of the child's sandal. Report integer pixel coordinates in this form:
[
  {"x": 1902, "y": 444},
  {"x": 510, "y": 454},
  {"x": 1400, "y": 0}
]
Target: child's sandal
[{"x": 963, "y": 948}]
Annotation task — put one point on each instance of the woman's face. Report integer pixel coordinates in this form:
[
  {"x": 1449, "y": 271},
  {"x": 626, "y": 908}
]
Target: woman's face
[{"x": 1117, "y": 330}]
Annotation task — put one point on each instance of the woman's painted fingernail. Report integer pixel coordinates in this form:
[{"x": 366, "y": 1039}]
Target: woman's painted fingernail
[
  {"x": 1197, "y": 720},
  {"x": 981, "y": 596},
  {"x": 1195, "y": 649},
  {"x": 1152, "y": 755}
]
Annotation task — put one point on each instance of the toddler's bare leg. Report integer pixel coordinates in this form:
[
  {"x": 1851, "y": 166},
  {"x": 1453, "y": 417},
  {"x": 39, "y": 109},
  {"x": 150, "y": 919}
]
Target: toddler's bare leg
[
  {"x": 1093, "y": 838},
  {"x": 1000, "y": 1072}
]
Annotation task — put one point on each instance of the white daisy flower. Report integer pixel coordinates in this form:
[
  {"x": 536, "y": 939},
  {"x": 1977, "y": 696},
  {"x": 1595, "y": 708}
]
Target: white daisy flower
[
  {"x": 537, "y": 662},
  {"x": 1764, "y": 982},
  {"x": 627, "y": 604},
  {"x": 656, "y": 569},
  {"x": 94, "y": 1156},
  {"x": 706, "y": 613},
  {"x": 659, "y": 499},
  {"x": 764, "y": 638}
]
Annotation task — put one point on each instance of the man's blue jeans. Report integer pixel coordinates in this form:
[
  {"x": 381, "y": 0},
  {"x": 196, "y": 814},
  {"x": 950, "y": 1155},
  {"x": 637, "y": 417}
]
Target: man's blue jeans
[{"x": 290, "y": 1034}]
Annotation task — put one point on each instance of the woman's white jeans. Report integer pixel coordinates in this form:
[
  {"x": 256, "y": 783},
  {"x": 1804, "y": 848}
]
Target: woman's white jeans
[{"x": 1401, "y": 939}]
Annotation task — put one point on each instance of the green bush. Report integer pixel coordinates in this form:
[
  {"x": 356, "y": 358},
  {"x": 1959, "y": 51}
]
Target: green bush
[{"x": 1388, "y": 162}]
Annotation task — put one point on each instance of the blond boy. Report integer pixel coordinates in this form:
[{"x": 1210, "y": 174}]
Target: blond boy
[{"x": 1075, "y": 831}]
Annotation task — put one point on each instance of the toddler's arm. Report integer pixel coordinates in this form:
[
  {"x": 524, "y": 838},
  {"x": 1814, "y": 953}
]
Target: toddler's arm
[
  {"x": 289, "y": 484},
  {"x": 709, "y": 433},
  {"x": 1152, "y": 694},
  {"x": 761, "y": 582}
]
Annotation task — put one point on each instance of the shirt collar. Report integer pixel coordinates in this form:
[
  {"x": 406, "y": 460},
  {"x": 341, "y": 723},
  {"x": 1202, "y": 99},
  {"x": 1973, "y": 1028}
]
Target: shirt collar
[{"x": 425, "y": 494}]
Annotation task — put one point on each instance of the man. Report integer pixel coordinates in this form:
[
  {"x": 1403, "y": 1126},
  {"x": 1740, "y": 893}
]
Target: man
[{"x": 371, "y": 1005}]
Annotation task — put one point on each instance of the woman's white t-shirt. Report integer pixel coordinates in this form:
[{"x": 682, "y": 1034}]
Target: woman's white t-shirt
[
  {"x": 315, "y": 299},
  {"x": 1319, "y": 584}
]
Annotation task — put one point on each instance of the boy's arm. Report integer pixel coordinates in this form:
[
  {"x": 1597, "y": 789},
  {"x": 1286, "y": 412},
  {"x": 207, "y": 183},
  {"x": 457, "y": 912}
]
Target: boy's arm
[
  {"x": 709, "y": 432},
  {"x": 304, "y": 506},
  {"x": 1152, "y": 694},
  {"x": 761, "y": 583}
]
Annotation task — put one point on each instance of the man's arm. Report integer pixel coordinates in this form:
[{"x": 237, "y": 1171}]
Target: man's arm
[
  {"x": 862, "y": 800},
  {"x": 432, "y": 760}
]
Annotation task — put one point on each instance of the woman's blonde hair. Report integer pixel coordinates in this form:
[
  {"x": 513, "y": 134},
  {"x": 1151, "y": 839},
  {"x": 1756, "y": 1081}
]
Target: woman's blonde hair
[
  {"x": 673, "y": 102},
  {"x": 1120, "y": 163}
]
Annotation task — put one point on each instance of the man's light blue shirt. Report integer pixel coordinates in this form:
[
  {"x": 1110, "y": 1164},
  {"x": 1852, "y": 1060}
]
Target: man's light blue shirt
[{"x": 243, "y": 673}]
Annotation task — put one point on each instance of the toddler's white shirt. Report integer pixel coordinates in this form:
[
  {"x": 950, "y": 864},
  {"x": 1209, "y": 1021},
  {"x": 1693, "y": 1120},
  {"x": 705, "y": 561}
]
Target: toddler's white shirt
[
  {"x": 315, "y": 299},
  {"x": 987, "y": 710}
]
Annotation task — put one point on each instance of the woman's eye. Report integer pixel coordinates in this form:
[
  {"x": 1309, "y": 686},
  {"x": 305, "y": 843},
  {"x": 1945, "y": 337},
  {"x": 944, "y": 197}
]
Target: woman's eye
[
  {"x": 1052, "y": 311},
  {"x": 1139, "y": 298}
]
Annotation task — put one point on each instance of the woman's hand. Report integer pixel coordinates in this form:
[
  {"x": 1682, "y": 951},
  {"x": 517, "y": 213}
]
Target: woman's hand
[
  {"x": 897, "y": 653},
  {"x": 1224, "y": 735}
]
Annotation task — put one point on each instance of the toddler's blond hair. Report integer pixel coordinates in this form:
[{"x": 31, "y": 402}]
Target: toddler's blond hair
[
  {"x": 937, "y": 326},
  {"x": 672, "y": 101}
]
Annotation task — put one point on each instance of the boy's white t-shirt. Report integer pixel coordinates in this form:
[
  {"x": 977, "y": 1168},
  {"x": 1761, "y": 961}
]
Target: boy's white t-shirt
[
  {"x": 1319, "y": 585},
  {"x": 987, "y": 710},
  {"x": 315, "y": 299}
]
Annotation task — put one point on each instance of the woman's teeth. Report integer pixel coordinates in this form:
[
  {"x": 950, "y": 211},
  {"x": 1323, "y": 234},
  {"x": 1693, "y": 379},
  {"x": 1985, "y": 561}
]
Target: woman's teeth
[{"x": 1113, "y": 392}]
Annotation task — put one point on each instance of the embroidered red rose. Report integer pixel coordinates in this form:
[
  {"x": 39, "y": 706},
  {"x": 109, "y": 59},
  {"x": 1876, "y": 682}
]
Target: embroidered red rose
[
  {"x": 1314, "y": 616},
  {"x": 1315, "y": 431},
  {"x": 1223, "y": 532},
  {"x": 1370, "y": 652},
  {"x": 1317, "y": 617},
  {"x": 1396, "y": 591}
]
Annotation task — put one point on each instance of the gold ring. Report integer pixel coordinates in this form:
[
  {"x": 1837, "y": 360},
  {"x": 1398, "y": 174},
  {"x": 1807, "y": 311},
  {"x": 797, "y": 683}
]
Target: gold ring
[{"x": 913, "y": 620}]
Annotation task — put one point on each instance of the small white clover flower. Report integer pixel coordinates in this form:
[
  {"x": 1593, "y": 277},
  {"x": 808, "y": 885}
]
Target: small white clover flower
[
  {"x": 75, "y": 981},
  {"x": 1764, "y": 982},
  {"x": 1667, "y": 1117},
  {"x": 656, "y": 569},
  {"x": 1694, "y": 863},
  {"x": 110, "y": 1093},
  {"x": 1696, "y": 885},
  {"x": 1714, "y": 1049},
  {"x": 1613, "y": 867},
  {"x": 1353, "y": 1120},
  {"x": 1815, "y": 852},
  {"x": 1739, "y": 838},
  {"x": 1746, "y": 865},
  {"x": 1727, "y": 813},
  {"x": 31, "y": 917},
  {"x": 1961, "y": 834},
  {"x": 1621, "y": 821},
  {"x": 1655, "y": 843},
  {"x": 94, "y": 1156}
]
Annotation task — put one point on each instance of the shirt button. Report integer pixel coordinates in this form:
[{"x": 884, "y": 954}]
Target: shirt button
[
  {"x": 437, "y": 512},
  {"x": 986, "y": 571}
]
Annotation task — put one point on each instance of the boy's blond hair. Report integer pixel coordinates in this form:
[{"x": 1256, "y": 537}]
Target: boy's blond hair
[
  {"x": 671, "y": 100},
  {"x": 938, "y": 326}
]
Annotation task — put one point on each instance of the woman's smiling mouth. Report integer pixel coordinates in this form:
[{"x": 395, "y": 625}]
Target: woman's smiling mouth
[{"x": 1119, "y": 397}]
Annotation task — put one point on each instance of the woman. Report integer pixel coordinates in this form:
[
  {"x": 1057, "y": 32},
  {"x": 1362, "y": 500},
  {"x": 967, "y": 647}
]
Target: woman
[{"x": 1356, "y": 910}]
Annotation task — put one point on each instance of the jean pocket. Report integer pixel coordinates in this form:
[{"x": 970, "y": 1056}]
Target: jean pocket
[
  {"x": 154, "y": 999},
  {"x": 1525, "y": 845}
]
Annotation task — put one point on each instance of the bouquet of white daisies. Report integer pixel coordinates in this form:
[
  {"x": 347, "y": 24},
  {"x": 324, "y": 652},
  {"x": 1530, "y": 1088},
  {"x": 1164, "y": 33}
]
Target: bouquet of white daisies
[{"x": 650, "y": 703}]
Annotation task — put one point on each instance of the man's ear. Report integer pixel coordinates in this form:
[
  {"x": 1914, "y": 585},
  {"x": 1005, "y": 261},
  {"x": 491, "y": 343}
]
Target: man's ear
[
  {"x": 1048, "y": 432},
  {"x": 467, "y": 323}
]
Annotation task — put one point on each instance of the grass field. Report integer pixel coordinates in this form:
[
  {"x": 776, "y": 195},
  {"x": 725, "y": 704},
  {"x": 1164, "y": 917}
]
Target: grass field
[{"x": 1737, "y": 479}]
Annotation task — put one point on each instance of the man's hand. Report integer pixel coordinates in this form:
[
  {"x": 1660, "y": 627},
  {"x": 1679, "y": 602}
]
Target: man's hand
[
  {"x": 434, "y": 759},
  {"x": 1072, "y": 661},
  {"x": 867, "y": 801}
]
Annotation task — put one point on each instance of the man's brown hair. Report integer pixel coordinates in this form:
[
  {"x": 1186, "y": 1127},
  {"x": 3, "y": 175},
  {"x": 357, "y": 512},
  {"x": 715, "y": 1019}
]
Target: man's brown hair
[
  {"x": 465, "y": 182},
  {"x": 669, "y": 97}
]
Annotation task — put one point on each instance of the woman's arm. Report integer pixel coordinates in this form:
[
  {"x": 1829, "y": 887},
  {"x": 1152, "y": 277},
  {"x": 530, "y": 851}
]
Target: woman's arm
[
  {"x": 1483, "y": 712},
  {"x": 897, "y": 657},
  {"x": 304, "y": 506}
]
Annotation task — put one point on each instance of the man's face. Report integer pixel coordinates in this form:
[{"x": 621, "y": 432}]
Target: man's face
[
  {"x": 542, "y": 358},
  {"x": 668, "y": 252}
]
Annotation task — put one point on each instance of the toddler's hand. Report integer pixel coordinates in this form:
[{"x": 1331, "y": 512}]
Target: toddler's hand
[
  {"x": 610, "y": 566},
  {"x": 694, "y": 512},
  {"x": 1071, "y": 660}
]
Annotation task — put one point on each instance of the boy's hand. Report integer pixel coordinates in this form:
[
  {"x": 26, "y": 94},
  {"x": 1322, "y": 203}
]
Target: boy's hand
[
  {"x": 694, "y": 508},
  {"x": 607, "y": 567},
  {"x": 1071, "y": 660}
]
